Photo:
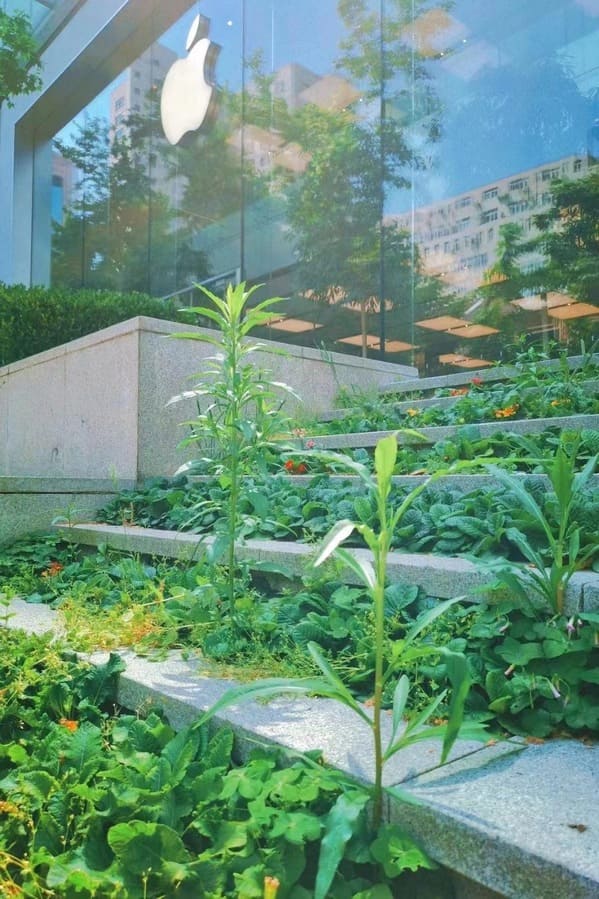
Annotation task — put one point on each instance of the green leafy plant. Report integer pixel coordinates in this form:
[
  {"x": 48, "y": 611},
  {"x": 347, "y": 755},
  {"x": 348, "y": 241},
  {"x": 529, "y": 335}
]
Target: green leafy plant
[
  {"x": 102, "y": 804},
  {"x": 562, "y": 533},
  {"x": 19, "y": 57},
  {"x": 330, "y": 685},
  {"x": 239, "y": 407}
]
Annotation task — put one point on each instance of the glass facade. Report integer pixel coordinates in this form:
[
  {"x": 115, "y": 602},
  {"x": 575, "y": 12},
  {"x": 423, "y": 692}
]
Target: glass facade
[{"x": 418, "y": 180}]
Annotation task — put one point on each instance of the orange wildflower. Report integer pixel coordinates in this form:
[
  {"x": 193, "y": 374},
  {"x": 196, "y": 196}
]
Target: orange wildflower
[
  {"x": 69, "y": 724},
  {"x": 507, "y": 412},
  {"x": 53, "y": 569},
  {"x": 459, "y": 391},
  {"x": 412, "y": 412}
]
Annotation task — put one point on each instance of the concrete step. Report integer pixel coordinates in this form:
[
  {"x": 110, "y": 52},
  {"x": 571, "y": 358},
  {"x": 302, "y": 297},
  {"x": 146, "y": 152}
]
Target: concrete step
[
  {"x": 487, "y": 375},
  {"x": 436, "y": 402},
  {"x": 432, "y": 435},
  {"x": 507, "y": 819},
  {"x": 439, "y": 576}
]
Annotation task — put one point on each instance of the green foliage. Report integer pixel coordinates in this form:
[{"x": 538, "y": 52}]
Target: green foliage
[
  {"x": 38, "y": 318},
  {"x": 239, "y": 407},
  {"x": 386, "y": 667},
  {"x": 19, "y": 57},
  {"x": 100, "y": 805},
  {"x": 537, "y": 674},
  {"x": 561, "y": 533}
]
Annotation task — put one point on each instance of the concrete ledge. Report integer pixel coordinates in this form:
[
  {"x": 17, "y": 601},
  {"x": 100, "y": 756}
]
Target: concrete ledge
[
  {"x": 485, "y": 429},
  {"x": 30, "y": 505},
  {"x": 518, "y": 820},
  {"x": 497, "y": 373},
  {"x": 439, "y": 576},
  {"x": 465, "y": 483},
  {"x": 437, "y": 402}
]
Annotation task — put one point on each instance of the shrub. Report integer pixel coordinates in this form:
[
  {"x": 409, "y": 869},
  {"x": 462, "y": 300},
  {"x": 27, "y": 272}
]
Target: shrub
[{"x": 35, "y": 319}]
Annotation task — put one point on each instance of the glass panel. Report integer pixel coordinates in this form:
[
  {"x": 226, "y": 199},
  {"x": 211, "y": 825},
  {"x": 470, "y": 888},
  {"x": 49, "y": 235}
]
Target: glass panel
[
  {"x": 311, "y": 146},
  {"x": 504, "y": 110},
  {"x": 417, "y": 179}
]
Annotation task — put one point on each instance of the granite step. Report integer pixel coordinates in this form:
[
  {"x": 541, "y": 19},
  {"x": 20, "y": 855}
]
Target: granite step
[
  {"x": 439, "y": 576},
  {"x": 507, "y": 819}
]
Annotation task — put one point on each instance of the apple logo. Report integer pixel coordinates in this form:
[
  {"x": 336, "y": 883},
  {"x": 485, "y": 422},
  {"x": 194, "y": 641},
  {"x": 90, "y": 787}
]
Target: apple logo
[{"x": 187, "y": 99}]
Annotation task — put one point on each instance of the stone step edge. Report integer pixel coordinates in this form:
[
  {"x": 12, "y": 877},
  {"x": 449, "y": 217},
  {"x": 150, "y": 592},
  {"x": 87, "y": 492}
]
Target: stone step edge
[
  {"x": 440, "y": 402},
  {"x": 496, "y": 373},
  {"x": 466, "y": 483},
  {"x": 431, "y": 435},
  {"x": 490, "y": 857},
  {"x": 439, "y": 576}
]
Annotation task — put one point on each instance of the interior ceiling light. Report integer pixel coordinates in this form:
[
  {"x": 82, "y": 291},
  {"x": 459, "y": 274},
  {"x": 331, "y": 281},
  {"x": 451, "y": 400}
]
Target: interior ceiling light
[
  {"x": 463, "y": 361},
  {"x": 473, "y": 330},
  {"x": 540, "y": 301},
  {"x": 443, "y": 323},
  {"x": 573, "y": 310},
  {"x": 294, "y": 325}
]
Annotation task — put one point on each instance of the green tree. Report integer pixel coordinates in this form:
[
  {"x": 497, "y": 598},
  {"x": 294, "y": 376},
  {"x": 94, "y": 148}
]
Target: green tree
[{"x": 19, "y": 57}]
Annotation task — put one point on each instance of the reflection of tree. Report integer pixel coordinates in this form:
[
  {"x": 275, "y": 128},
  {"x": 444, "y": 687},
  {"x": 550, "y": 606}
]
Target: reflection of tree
[
  {"x": 532, "y": 111},
  {"x": 120, "y": 232},
  {"x": 347, "y": 251},
  {"x": 569, "y": 238}
]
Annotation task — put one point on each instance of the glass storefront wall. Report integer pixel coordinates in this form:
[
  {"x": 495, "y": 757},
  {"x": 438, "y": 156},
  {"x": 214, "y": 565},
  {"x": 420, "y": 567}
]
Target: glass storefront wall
[{"x": 418, "y": 180}]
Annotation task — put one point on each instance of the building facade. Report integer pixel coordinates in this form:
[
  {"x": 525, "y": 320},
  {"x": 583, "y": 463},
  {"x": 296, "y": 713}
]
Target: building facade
[{"x": 385, "y": 166}]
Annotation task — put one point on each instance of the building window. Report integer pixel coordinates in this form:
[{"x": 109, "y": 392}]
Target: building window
[
  {"x": 549, "y": 174},
  {"x": 462, "y": 202},
  {"x": 515, "y": 208},
  {"x": 489, "y": 193},
  {"x": 489, "y": 216},
  {"x": 519, "y": 184},
  {"x": 119, "y": 103},
  {"x": 577, "y": 165}
]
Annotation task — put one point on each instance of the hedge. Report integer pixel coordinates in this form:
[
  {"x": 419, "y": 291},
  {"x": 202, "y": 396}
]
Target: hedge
[{"x": 38, "y": 318}]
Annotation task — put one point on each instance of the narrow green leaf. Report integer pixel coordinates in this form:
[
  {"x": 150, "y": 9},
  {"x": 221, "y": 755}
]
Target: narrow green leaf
[
  {"x": 400, "y": 697},
  {"x": 338, "y": 533},
  {"x": 340, "y": 825},
  {"x": 428, "y": 617},
  {"x": 336, "y": 683},
  {"x": 360, "y": 567}
]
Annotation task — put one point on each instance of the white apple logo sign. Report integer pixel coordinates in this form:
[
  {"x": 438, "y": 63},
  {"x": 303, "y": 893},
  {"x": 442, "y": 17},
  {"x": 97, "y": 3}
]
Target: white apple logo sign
[{"x": 187, "y": 99}]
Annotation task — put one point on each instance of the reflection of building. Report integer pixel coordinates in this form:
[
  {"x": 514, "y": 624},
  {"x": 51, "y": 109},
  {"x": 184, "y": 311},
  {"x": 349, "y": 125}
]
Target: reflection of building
[
  {"x": 297, "y": 86},
  {"x": 64, "y": 181},
  {"x": 134, "y": 91},
  {"x": 457, "y": 238},
  {"x": 137, "y": 93}
]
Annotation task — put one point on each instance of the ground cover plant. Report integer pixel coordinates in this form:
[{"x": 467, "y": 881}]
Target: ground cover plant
[
  {"x": 100, "y": 802},
  {"x": 444, "y": 520},
  {"x": 536, "y": 391}
]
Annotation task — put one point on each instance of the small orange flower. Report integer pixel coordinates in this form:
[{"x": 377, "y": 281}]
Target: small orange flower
[
  {"x": 52, "y": 570},
  {"x": 301, "y": 468},
  {"x": 412, "y": 412},
  {"x": 69, "y": 724},
  {"x": 476, "y": 381},
  {"x": 507, "y": 412},
  {"x": 460, "y": 391},
  {"x": 289, "y": 465}
]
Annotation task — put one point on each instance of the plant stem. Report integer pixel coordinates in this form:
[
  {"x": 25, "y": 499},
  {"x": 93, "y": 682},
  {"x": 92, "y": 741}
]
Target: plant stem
[{"x": 379, "y": 637}]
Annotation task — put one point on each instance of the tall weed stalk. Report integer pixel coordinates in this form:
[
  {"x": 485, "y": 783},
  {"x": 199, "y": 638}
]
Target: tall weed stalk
[{"x": 239, "y": 406}]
